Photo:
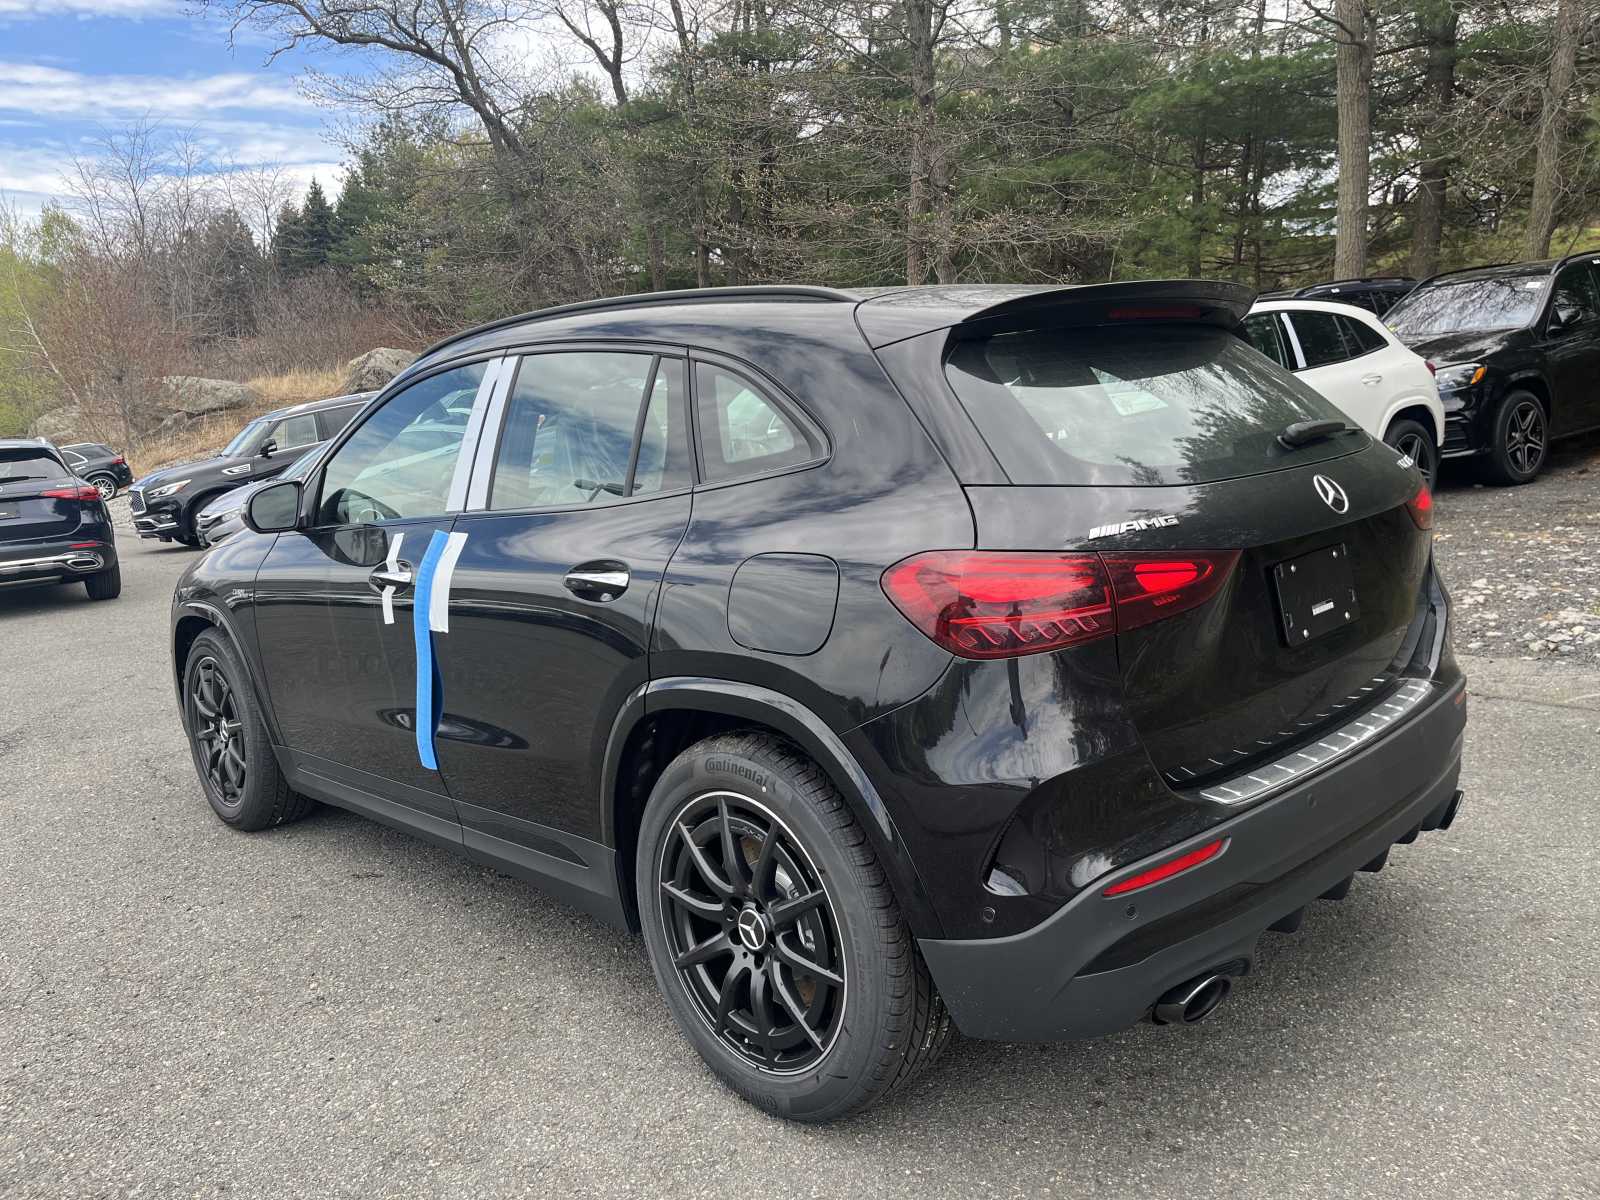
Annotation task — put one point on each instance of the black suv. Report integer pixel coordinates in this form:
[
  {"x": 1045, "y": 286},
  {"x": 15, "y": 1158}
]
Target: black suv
[
  {"x": 100, "y": 465},
  {"x": 54, "y": 527},
  {"x": 999, "y": 656},
  {"x": 1517, "y": 350},
  {"x": 165, "y": 503},
  {"x": 1375, "y": 293}
]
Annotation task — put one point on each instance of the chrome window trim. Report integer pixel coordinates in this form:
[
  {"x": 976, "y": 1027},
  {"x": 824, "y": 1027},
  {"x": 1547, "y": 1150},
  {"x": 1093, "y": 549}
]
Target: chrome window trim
[{"x": 1353, "y": 734}]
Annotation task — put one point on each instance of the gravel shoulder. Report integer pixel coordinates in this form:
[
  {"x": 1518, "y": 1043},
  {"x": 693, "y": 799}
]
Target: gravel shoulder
[{"x": 1523, "y": 564}]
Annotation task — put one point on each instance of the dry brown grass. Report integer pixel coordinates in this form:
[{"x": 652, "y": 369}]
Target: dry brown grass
[{"x": 203, "y": 438}]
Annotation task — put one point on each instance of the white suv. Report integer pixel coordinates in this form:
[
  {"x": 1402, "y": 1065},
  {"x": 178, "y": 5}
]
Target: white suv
[{"x": 1348, "y": 355}]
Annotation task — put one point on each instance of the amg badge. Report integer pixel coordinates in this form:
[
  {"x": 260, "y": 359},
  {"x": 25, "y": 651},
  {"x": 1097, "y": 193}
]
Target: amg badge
[{"x": 1100, "y": 531}]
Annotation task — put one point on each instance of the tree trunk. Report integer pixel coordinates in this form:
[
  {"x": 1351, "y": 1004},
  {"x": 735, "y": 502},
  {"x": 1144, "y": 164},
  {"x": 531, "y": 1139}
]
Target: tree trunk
[
  {"x": 919, "y": 192},
  {"x": 1354, "y": 33},
  {"x": 1547, "y": 146},
  {"x": 1439, "y": 26}
]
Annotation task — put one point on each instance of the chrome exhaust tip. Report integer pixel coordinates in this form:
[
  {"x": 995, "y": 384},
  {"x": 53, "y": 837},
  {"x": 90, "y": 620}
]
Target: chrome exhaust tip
[
  {"x": 1192, "y": 1002},
  {"x": 85, "y": 562}
]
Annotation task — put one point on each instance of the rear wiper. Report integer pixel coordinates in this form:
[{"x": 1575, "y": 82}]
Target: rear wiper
[{"x": 1303, "y": 433}]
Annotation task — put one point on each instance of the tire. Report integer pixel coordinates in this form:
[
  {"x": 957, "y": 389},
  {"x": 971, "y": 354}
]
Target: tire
[
  {"x": 1519, "y": 443},
  {"x": 244, "y": 785},
  {"x": 1411, "y": 437},
  {"x": 740, "y": 794},
  {"x": 187, "y": 539},
  {"x": 105, "y": 585},
  {"x": 104, "y": 484}
]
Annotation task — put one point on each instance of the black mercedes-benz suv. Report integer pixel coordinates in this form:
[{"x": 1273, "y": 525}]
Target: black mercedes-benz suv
[
  {"x": 100, "y": 465},
  {"x": 54, "y": 527},
  {"x": 1000, "y": 657},
  {"x": 165, "y": 503},
  {"x": 1517, "y": 353}
]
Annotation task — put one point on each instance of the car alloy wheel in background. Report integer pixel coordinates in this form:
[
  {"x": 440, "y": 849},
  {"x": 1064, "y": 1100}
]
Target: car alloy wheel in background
[
  {"x": 105, "y": 485},
  {"x": 752, "y": 932},
  {"x": 1525, "y": 437}
]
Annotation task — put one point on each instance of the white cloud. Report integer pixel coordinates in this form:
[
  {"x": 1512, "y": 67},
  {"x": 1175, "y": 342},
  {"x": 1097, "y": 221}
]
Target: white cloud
[
  {"x": 88, "y": 8},
  {"x": 52, "y": 91},
  {"x": 30, "y": 169}
]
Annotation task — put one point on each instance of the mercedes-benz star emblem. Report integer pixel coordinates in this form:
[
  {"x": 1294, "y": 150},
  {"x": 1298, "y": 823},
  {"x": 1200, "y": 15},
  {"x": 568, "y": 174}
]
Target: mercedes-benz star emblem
[
  {"x": 752, "y": 929},
  {"x": 1332, "y": 494}
]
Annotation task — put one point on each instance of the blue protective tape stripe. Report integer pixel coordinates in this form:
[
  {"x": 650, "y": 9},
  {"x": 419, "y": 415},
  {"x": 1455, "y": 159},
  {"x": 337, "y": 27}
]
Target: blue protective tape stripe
[{"x": 427, "y": 716}]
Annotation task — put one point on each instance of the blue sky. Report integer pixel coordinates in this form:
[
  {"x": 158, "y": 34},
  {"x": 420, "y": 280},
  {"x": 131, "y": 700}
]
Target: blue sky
[{"x": 73, "y": 69}]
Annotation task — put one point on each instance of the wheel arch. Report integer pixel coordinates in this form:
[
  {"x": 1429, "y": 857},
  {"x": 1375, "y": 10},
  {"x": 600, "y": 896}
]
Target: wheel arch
[
  {"x": 666, "y": 716},
  {"x": 1532, "y": 381},
  {"x": 1412, "y": 409},
  {"x": 196, "y": 617}
]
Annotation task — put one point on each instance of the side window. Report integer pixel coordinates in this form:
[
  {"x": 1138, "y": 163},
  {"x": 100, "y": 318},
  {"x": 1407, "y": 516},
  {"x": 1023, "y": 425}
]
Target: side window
[
  {"x": 1575, "y": 293},
  {"x": 74, "y": 460},
  {"x": 569, "y": 429},
  {"x": 333, "y": 420},
  {"x": 1264, "y": 333},
  {"x": 663, "y": 454},
  {"x": 400, "y": 462},
  {"x": 1320, "y": 340},
  {"x": 292, "y": 432},
  {"x": 742, "y": 431},
  {"x": 1360, "y": 336}
]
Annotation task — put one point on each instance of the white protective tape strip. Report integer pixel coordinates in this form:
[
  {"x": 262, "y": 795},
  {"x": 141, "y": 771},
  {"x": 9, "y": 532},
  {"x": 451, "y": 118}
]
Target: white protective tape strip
[
  {"x": 393, "y": 563},
  {"x": 439, "y": 599},
  {"x": 489, "y": 439},
  {"x": 457, "y": 499}
]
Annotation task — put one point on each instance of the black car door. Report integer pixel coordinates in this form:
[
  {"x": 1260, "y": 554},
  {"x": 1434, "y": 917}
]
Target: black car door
[
  {"x": 580, "y": 495},
  {"x": 346, "y": 653},
  {"x": 1572, "y": 348}
]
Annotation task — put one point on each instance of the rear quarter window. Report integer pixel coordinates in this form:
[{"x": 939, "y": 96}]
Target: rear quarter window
[{"x": 1160, "y": 404}]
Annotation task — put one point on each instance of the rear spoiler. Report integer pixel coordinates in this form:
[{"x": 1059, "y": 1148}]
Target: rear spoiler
[{"x": 980, "y": 311}]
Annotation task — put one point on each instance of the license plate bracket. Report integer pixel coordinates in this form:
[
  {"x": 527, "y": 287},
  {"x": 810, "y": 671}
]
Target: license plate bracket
[{"x": 1316, "y": 594}]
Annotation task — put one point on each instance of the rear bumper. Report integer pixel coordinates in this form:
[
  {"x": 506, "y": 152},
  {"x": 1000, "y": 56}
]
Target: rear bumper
[
  {"x": 58, "y": 563},
  {"x": 1099, "y": 963}
]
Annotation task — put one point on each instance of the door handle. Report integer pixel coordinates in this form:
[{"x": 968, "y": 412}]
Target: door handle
[
  {"x": 397, "y": 577},
  {"x": 597, "y": 580},
  {"x": 1372, "y": 380}
]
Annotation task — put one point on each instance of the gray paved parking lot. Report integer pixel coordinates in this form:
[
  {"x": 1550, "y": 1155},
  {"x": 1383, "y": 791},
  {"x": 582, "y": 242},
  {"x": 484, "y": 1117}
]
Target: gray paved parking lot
[{"x": 336, "y": 1010}]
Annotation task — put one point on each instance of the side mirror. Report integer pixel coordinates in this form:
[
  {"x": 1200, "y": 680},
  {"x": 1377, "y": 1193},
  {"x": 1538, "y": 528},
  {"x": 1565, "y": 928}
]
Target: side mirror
[
  {"x": 274, "y": 508},
  {"x": 268, "y": 446}
]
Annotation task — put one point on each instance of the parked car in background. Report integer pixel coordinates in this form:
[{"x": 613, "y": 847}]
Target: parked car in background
[
  {"x": 100, "y": 465},
  {"x": 224, "y": 516},
  {"x": 54, "y": 526},
  {"x": 1346, "y": 354},
  {"x": 1517, "y": 348},
  {"x": 166, "y": 503},
  {"x": 1376, "y": 293},
  {"x": 1007, "y": 657}
]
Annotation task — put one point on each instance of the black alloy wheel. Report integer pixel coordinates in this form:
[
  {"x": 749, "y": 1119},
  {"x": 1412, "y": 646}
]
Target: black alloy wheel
[
  {"x": 232, "y": 749},
  {"x": 1521, "y": 439},
  {"x": 214, "y": 718},
  {"x": 752, "y": 932},
  {"x": 1417, "y": 444}
]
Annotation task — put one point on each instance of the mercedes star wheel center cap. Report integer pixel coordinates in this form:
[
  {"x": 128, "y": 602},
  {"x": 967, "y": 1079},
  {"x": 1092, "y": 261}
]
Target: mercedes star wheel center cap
[{"x": 752, "y": 929}]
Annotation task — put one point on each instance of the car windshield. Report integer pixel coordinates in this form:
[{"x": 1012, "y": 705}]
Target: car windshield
[
  {"x": 23, "y": 466},
  {"x": 1469, "y": 306},
  {"x": 243, "y": 439},
  {"x": 1157, "y": 405}
]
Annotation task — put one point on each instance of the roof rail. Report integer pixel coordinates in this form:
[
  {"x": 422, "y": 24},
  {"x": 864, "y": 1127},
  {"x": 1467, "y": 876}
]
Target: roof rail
[
  {"x": 1361, "y": 279},
  {"x": 1565, "y": 259},
  {"x": 681, "y": 296},
  {"x": 1493, "y": 267}
]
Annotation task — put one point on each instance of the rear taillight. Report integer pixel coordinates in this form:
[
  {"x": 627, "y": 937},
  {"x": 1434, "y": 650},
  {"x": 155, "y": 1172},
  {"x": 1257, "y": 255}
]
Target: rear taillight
[
  {"x": 999, "y": 604},
  {"x": 993, "y": 604},
  {"x": 1420, "y": 507},
  {"x": 1151, "y": 586},
  {"x": 1175, "y": 866},
  {"x": 1433, "y": 367},
  {"x": 119, "y": 461},
  {"x": 85, "y": 491}
]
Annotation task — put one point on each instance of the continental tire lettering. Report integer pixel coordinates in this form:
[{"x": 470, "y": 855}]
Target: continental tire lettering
[{"x": 742, "y": 770}]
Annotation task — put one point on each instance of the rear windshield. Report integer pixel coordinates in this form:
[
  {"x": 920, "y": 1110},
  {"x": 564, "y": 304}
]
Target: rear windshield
[
  {"x": 1157, "y": 405},
  {"x": 1475, "y": 304},
  {"x": 21, "y": 466}
]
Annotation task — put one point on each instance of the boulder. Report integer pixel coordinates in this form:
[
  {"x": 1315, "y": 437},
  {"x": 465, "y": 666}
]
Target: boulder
[
  {"x": 195, "y": 397},
  {"x": 370, "y": 371},
  {"x": 60, "y": 425}
]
